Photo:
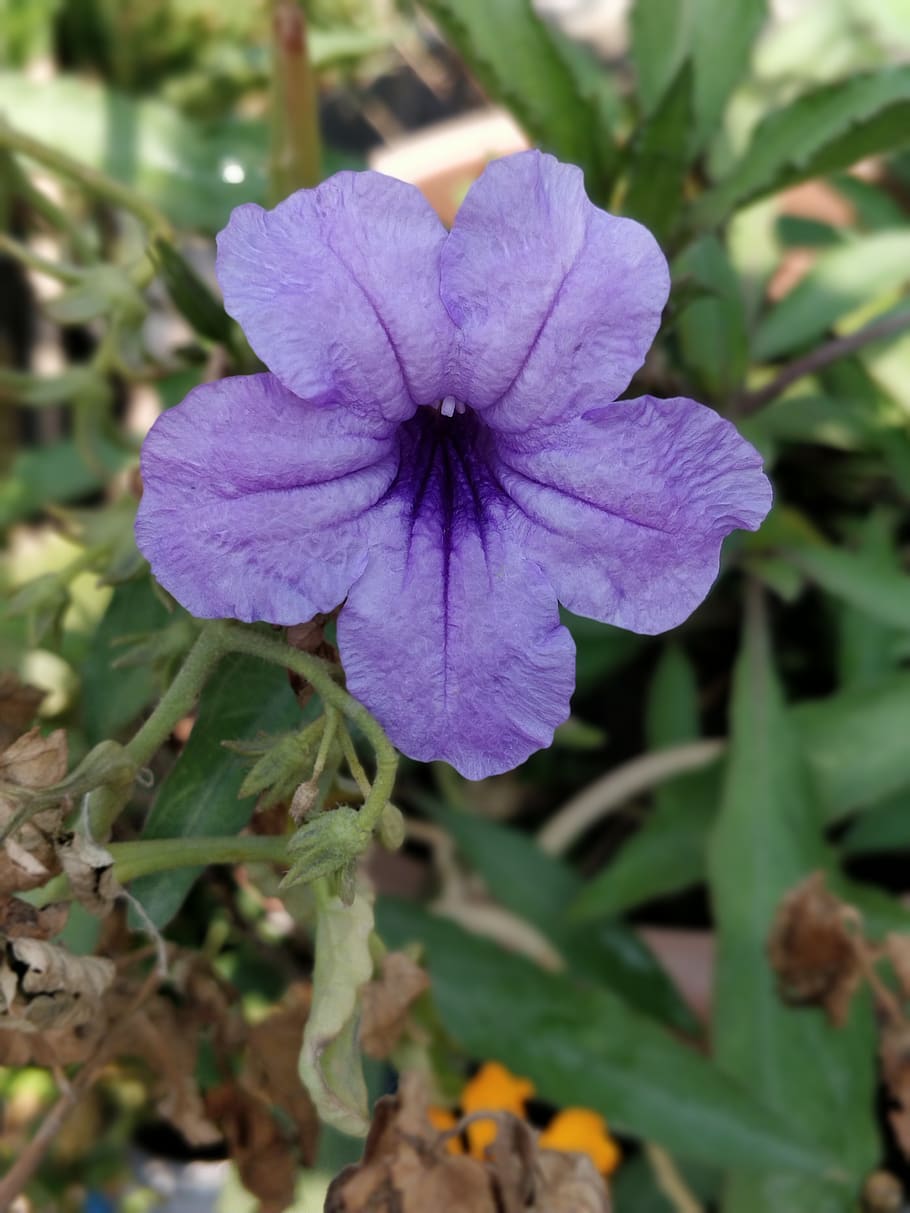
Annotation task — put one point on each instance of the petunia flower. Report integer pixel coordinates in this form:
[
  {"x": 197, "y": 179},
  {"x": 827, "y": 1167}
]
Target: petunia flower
[{"x": 438, "y": 444}]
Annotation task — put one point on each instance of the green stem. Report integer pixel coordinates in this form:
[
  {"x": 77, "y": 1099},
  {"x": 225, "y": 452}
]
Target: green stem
[
  {"x": 90, "y": 179},
  {"x": 54, "y": 216},
  {"x": 67, "y": 274},
  {"x": 134, "y": 859},
  {"x": 180, "y": 696},
  {"x": 296, "y": 157},
  {"x": 257, "y": 644}
]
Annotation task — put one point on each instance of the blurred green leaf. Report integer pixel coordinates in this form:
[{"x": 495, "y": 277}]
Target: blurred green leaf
[
  {"x": 522, "y": 63},
  {"x": 192, "y": 297},
  {"x": 539, "y": 889},
  {"x": 200, "y": 795},
  {"x": 884, "y": 828},
  {"x": 580, "y": 1045},
  {"x": 867, "y": 648},
  {"x": 195, "y": 174},
  {"x": 816, "y": 1078},
  {"x": 712, "y": 329},
  {"x": 113, "y": 698},
  {"x": 600, "y": 649},
  {"x": 722, "y": 37},
  {"x": 56, "y": 473},
  {"x": 661, "y": 37},
  {"x": 873, "y": 587},
  {"x": 659, "y": 158},
  {"x": 856, "y": 744},
  {"x": 820, "y": 132},
  {"x": 840, "y": 281}
]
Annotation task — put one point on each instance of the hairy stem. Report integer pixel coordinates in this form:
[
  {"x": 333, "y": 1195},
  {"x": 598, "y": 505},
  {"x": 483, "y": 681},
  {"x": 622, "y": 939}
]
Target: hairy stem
[{"x": 134, "y": 859}]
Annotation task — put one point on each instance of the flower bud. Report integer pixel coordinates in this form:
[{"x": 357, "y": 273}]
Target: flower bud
[
  {"x": 391, "y": 828},
  {"x": 327, "y": 845}
]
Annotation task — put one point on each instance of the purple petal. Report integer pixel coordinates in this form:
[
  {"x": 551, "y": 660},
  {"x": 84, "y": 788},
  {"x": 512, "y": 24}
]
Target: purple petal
[
  {"x": 625, "y": 509},
  {"x": 556, "y": 301},
  {"x": 451, "y": 638},
  {"x": 337, "y": 290},
  {"x": 256, "y": 504}
]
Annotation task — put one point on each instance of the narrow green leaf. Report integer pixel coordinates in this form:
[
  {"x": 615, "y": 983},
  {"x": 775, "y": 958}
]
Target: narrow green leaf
[
  {"x": 821, "y": 132},
  {"x": 661, "y": 36},
  {"x": 660, "y": 157},
  {"x": 867, "y": 648},
  {"x": 841, "y": 280},
  {"x": 712, "y": 329},
  {"x": 515, "y": 57},
  {"x": 722, "y": 38},
  {"x": 818, "y": 1079},
  {"x": 886, "y": 828},
  {"x": 581, "y": 1045},
  {"x": 878, "y": 591},
  {"x": 199, "y": 796},
  {"x": 539, "y": 889},
  {"x": 856, "y": 744}
]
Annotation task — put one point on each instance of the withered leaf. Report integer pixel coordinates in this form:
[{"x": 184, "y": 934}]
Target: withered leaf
[
  {"x": 33, "y": 762},
  {"x": 387, "y": 1001},
  {"x": 812, "y": 951},
  {"x": 894, "y": 1055},
  {"x": 270, "y": 1067},
  {"x": 90, "y": 869},
  {"x": 18, "y": 705},
  {"x": 43, "y": 986},
  {"x": 19, "y": 920},
  {"x": 264, "y": 1158},
  {"x": 569, "y": 1183},
  {"x": 897, "y": 949}
]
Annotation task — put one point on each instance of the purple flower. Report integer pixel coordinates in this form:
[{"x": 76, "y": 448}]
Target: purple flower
[{"x": 439, "y": 445}]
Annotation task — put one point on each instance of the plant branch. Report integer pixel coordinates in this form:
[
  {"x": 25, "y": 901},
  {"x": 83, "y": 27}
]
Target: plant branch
[
  {"x": 822, "y": 356},
  {"x": 67, "y": 274},
  {"x": 616, "y": 788}
]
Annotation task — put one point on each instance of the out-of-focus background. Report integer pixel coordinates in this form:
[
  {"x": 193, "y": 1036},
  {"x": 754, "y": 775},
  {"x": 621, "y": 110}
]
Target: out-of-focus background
[{"x": 624, "y": 921}]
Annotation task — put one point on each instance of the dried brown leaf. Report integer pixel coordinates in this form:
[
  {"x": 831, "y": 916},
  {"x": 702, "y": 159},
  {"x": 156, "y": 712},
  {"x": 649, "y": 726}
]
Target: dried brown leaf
[
  {"x": 882, "y": 1193},
  {"x": 270, "y": 1067},
  {"x": 264, "y": 1158},
  {"x": 90, "y": 869},
  {"x": 387, "y": 1001},
  {"x": 33, "y": 762},
  {"x": 569, "y": 1183},
  {"x": 897, "y": 949},
  {"x": 43, "y": 986},
  {"x": 19, "y": 920},
  {"x": 812, "y": 950},
  {"x": 18, "y": 705},
  {"x": 894, "y": 1055}
]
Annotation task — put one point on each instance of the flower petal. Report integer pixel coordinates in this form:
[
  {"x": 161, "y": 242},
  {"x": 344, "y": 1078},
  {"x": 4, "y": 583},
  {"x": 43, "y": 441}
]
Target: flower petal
[
  {"x": 337, "y": 290},
  {"x": 451, "y": 638},
  {"x": 256, "y": 503},
  {"x": 625, "y": 509},
  {"x": 556, "y": 301}
]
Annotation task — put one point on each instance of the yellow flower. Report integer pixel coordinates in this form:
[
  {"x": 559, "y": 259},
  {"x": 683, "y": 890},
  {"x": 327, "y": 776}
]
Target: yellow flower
[
  {"x": 443, "y": 1120},
  {"x": 492, "y": 1089},
  {"x": 582, "y": 1131}
]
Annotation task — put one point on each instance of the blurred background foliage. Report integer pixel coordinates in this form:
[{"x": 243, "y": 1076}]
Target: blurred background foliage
[{"x": 703, "y": 774}]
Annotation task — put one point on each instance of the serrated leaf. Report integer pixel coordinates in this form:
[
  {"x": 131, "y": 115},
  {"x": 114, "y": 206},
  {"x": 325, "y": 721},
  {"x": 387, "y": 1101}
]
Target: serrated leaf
[
  {"x": 582, "y": 1046},
  {"x": 516, "y": 59},
  {"x": 841, "y": 280},
  {"x": 767, "y": 839},
  {"x": 199, "y": 796},
  {"x": 821, "y": 132}
]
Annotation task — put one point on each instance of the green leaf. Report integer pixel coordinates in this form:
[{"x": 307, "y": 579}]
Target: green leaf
[
  {"x": 841, "y": 280},
  {"x": 881, "y": 592},
  {"x": 820, "y": 132},
  {"x": 581, "y": 1045},
  {"x": 331, "y": 1068},
  {"x": 599, "y": 649},
  {"x": 199, "y": 796},
  {"x": 712, "y": 329},
  {"x": 51, "y": 475},
  {"x": 661, "y": 36},
  {"x": 113, "y": 698},
  {"x": 856, "y": 744},
  {"x": 539, "y": 889},
  {"x": 667, "y": 853},
  {"x": 523, "y": 64},
  {"x": 768, "y": 838},
  {"x": 867, "y": 648},
  {"x": 175, "y": 163},
  {"x": 659, "y": 159},
  {"x": 722, "y": 38},
  {"x": 884, "y": 828}
]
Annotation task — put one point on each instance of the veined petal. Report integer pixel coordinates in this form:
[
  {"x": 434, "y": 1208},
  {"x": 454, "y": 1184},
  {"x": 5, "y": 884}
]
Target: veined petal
[
  {"x": 556, "y": 302},
  {"x": 256, "y": 503},
  {"x": 626, "y": 509},
  {"x": 451, "y": 638},
  {"x": 337, "y": 290}
]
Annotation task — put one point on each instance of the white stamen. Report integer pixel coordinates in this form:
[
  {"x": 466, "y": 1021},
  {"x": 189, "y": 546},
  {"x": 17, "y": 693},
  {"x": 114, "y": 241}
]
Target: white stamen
[{"x": 449, "y": 406}]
